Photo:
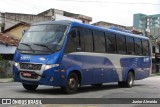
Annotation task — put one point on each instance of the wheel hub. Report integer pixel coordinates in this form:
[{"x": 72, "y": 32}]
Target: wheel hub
[
  {"x": 130, "y": 80},
  {"x": 72, "y": 82}
]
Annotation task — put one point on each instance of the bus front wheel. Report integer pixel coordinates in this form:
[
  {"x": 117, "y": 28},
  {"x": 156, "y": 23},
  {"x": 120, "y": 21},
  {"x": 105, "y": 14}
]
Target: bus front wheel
[
  {"x": 30, "y": 87},
  {"x": 72, "y": 84}
]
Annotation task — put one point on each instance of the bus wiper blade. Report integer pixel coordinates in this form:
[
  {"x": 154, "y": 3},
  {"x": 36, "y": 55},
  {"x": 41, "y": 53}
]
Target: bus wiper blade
[
  {"x": 28, "y": 46},
  {"x": 43, "y": 45},
  {"x": 25, "y": 44}
]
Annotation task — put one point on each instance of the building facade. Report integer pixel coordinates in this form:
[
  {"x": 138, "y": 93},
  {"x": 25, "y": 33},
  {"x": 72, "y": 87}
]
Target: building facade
[
  {"x": 54, "y": 12},
  {"x": 8, "y": 20},
  {"x": 109, "y": 25},
  {"x": 1, "y": 22},
  {"x": 11, "y": 19},
  {"x": 150, "y": 23},
  {"x": 14, "y": 23}
]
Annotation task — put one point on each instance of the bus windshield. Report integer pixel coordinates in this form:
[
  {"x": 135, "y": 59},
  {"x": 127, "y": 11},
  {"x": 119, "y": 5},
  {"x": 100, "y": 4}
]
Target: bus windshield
[{"x": 43, "y": 38}]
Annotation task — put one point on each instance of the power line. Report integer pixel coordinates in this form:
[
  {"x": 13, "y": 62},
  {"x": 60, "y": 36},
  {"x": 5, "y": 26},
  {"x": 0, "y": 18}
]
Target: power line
[
  {"x": 16, "y": 5},
  {"x": 32, "y": 5},
  {"x": 112, "y": 2}
]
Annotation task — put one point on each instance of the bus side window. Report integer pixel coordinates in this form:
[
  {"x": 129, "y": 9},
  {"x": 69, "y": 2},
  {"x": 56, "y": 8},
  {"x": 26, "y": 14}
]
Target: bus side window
[
  {"x": 121, "y": 45},
  {"x": 145, "y": 47},
  {"x": 138, "y": 46},
  {"x": 99, "y": 42},
  {"x": 111, "y": 43},
  {"x": 88, "y": 40},
  {"x": 130, "y": 45},
  {"x": 81, "y": 39},
  {"x": 72, "y": 41}
]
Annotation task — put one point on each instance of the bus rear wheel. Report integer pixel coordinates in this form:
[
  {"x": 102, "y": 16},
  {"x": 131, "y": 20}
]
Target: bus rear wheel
[
  {"x": 130, "y": 80},
  {"x": 29, "y": 87},
  {"x": 72, "y": 84}
]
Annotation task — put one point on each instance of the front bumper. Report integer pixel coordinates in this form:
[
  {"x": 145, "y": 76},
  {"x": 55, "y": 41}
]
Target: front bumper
[{"x": 50, "y": 77}]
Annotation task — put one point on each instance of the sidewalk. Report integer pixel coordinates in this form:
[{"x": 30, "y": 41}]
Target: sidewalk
[
  {"x": 4, "y": 80},
  {"x": 155, "y": 74}
]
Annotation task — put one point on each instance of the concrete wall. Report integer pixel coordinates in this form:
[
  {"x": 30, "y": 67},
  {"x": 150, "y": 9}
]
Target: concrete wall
[
  {"x": 7, "y": 49},
  {"x": 108, "y": 25},
  {"x": 14, "y": 18},
  {"x": 0, "y": 21},
  {"x": 49, "y": 12},
  {"x": 53, "y": 12},
  {"x": 60, "y": 17}
]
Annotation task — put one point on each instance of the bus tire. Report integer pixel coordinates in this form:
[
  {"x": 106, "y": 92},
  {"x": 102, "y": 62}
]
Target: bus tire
[
  {"x": 130, "y": 80},
  {"x": 72, "y": 84},
  {"x": 29, "y": 87}
]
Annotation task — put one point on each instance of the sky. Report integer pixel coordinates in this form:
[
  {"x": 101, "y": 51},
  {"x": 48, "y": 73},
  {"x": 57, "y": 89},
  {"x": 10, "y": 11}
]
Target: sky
[{"x": 113, "y": 11}]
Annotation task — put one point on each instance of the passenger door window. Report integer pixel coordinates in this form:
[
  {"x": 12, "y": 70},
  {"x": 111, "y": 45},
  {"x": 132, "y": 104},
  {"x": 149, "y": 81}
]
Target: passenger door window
[{"x": 72, "y": 41}]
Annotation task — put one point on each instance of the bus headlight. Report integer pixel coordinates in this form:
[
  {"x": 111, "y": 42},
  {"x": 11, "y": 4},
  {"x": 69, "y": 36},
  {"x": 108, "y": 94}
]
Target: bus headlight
[
  {"x": 16, "y": 64},
  {"x": 51, "y": 66}
]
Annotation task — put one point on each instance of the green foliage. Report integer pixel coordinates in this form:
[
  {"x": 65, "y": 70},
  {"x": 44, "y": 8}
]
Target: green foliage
[{"x": 5, "y": 68}]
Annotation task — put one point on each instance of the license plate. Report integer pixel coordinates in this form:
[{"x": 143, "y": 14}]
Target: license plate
[{"x": 26, "y": 74}]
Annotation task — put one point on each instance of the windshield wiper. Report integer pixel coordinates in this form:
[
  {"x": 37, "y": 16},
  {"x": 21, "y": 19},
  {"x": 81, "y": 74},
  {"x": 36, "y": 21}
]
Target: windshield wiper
[
  {"x": 43, "y": 45},
  {"x": 28, "y": 46}
]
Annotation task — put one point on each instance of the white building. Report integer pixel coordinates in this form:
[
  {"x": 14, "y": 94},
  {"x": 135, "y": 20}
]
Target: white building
[
  {"x": 0, "y": 22},
  {"x": 8, "y": 46}
]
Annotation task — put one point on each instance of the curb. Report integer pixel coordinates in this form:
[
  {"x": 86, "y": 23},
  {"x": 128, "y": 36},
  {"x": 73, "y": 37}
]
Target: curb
[
  {"x": 155, "y": 74},
  {"x": 6, "y": 80}
]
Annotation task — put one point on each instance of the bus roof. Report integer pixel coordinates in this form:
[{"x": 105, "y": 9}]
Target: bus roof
[
  {"x": 66, "y": 22},
  {"x": 63, "y": 22}
]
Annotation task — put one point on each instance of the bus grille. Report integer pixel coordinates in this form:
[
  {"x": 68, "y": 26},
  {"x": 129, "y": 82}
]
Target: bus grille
[{"x": 29, "y": 66}]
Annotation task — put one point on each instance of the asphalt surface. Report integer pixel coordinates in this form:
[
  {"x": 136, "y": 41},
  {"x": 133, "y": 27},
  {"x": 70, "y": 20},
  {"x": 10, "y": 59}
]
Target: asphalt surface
[{"x": 146, "y": 88}]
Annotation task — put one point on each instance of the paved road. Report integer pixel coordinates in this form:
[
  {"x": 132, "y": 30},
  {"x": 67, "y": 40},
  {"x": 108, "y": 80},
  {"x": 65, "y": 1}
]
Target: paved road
[{"x": 146, "y": 88}]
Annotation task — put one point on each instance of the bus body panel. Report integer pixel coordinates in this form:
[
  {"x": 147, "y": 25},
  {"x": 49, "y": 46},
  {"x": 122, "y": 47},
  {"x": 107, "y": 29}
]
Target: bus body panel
[
  {"x": 93, "y": 68},
  {"x": 139, "y": 65},
  {"x": 42, "y": 59}
]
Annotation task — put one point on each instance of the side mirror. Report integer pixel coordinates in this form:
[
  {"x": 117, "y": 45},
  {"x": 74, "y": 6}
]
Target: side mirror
[
  {"x": 23, "y": 32},
  {"x": 72, "y": 34}
]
